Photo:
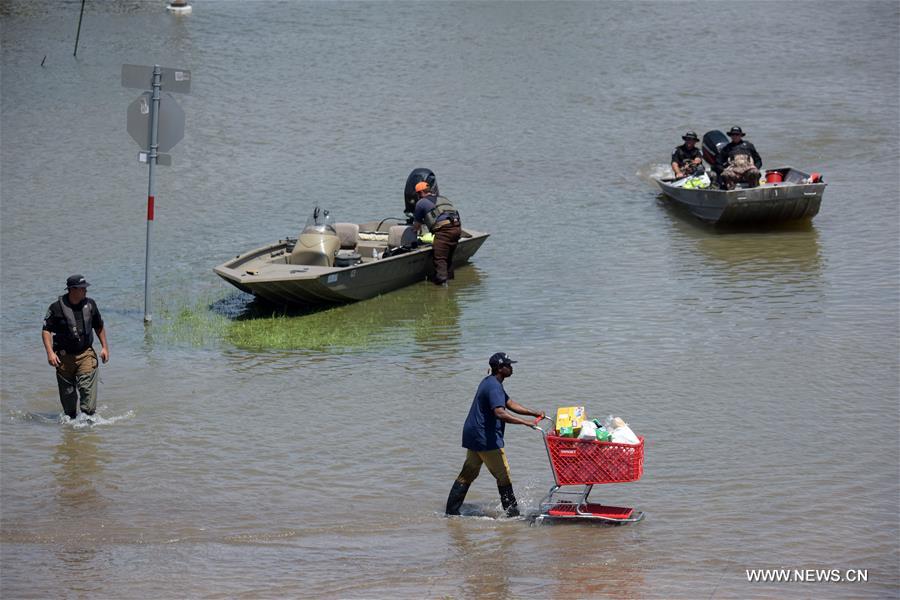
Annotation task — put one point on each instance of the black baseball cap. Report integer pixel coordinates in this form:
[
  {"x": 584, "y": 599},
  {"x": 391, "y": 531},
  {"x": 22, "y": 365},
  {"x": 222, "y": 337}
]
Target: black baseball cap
[
  {"x": 690, "y": 135},
  {"x": 76, "y": 281},
  {"x": 735, "y": 131},
  {"x": 500, "y": 359}
]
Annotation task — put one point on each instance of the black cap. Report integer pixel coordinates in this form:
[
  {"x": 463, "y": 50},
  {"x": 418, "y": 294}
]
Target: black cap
[
  {"x": 690, "y": 135},
  {"x": 76, "y": 281},
  {"x": 500, "y": 359},
  {"x": 735, "y": 131}
]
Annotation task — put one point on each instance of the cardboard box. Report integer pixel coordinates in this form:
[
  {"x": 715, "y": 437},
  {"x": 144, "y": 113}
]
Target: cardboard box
[{"x": 569, "y": 416}]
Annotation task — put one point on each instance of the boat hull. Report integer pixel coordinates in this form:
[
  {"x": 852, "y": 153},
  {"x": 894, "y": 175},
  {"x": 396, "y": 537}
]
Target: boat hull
[
  {"x": 279, "y": 283},
  {"x": 770, "y": 202}
]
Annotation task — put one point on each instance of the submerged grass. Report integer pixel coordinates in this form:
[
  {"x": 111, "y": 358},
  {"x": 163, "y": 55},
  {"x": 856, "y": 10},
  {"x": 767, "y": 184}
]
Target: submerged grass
[
  {"x": 192, "y": 324},
  {"x": 237, "y": 321},
  {"x": 326, "y": 330}
]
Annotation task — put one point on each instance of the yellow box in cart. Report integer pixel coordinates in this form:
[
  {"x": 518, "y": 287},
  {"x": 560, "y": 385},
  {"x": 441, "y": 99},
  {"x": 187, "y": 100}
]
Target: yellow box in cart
[{"x": 569, "y": 416}]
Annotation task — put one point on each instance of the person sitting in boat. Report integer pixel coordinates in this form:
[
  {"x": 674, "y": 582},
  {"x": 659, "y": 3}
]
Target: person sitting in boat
[
  {"x": 738, "y": 161},
  {"x": 687, "y": 160}
]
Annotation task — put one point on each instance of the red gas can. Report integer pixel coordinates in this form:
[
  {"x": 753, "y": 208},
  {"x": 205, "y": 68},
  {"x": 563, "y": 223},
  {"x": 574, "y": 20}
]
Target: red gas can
[{"x": 774, "y": 177}]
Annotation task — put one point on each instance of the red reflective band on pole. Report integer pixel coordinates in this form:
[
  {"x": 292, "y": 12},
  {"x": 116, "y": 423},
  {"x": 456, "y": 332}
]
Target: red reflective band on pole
[{"x": 149, "y": 208}]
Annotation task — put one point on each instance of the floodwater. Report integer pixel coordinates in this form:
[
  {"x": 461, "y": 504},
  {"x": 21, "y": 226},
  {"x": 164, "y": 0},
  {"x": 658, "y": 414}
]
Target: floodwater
[{"x": 241, "y": 454}]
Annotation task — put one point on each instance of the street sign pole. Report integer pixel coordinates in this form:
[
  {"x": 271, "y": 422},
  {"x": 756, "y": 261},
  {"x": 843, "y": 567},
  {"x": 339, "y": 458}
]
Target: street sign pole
[
  {"x": 156, "y": 127},
  {"x": 151, "y": 192}
]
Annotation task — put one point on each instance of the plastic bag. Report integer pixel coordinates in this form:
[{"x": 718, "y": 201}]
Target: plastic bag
[
  {"x": 691, "y": 182},
  {"x": 588, "y": 431},
  {"x": 620, "y": 431},
  {"x": 608, "y": 423},
  {"x": 697, "y": 183},
  {"x": 624, "y": 435}
]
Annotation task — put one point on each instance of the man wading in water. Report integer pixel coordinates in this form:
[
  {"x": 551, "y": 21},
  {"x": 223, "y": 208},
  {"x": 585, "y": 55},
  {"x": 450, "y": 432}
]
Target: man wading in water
[
  {"x": 442, "y": 219},
  {"x": 483, "y": 436},
  {"x": 68, "y": 336}
]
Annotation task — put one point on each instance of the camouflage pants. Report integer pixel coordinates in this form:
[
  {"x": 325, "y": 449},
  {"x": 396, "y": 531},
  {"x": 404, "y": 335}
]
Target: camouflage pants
[
  {"x": 76, "y": 376},
  {"x": 742, "y": 169}
]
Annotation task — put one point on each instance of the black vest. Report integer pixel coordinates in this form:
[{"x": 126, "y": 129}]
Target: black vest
[{"x": 84, "y": 339}]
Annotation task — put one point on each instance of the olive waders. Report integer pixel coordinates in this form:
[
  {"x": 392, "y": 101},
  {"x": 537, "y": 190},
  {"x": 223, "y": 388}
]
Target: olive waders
[{"x": 76, "y": 376}]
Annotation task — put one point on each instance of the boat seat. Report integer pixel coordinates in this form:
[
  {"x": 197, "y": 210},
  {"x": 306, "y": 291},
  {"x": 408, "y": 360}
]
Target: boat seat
[
  {"x": 401, "y": 235},
  {"x": 369, "y": 250},
  {"x": 348, "y": 233}
]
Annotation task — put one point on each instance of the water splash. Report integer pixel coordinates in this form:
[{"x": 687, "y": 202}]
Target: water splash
[
  {"x": 654, "y": 170},
  {"x": 81, "y": 421}
]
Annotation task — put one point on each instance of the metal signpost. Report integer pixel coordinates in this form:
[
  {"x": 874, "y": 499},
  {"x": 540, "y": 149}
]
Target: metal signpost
[{"x": 156, "y": 127}]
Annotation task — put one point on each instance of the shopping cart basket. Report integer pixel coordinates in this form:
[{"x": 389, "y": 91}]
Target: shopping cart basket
[{"x": 588, "y": 463}]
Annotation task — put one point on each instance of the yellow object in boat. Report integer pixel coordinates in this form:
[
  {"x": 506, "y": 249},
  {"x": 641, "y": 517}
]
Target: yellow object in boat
[{"x": 426, "y": 238}]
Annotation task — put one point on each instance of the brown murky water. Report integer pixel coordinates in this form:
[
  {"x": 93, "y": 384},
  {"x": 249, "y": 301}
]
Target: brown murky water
[{"x": 241, "y": 456}]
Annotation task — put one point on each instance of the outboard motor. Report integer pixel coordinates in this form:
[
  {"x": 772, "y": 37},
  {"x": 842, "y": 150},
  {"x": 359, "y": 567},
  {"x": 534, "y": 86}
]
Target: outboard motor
[
  {"x": 318, "y": 242},
  {"x": 409, "y": 192},
  {"x": 713, "y": 142}
]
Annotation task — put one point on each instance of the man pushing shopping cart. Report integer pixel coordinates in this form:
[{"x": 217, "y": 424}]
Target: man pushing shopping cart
[
  {"x": 483, "y": 436},
  {"x": 585, "y": 461}
]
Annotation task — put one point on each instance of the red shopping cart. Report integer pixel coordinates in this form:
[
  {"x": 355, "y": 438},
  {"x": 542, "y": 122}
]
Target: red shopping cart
[{"x": 588, "y": 463}]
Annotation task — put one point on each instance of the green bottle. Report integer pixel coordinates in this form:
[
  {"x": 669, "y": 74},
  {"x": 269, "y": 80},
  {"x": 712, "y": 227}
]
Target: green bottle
[{"x": 602, "y": 434}]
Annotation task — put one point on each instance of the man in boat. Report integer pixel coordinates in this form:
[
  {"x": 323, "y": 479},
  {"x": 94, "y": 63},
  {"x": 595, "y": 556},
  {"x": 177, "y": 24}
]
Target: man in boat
[
  {"x": 738, "y": 161},
  {"x": 687, "y": 160},
  {"x": 442, "y": 219},
  {"x": 68, "y": 336},
  {"x": 483, "y": 436}
]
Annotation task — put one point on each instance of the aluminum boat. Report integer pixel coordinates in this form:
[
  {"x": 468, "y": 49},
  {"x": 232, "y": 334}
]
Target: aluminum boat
[
  {"x": 783, "y": 194},
  {"x": 335, "y": 263}
]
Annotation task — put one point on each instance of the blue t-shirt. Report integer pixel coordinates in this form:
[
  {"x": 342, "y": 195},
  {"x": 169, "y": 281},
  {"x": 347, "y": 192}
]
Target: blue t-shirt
[
  {"x": 483, "y": 430},
  {"x": 423, "y": 207}
]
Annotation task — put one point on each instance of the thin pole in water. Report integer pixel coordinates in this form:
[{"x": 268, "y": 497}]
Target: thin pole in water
[
  {"x": 78, "y": 35},
  {"x": 151, "y": 193}
]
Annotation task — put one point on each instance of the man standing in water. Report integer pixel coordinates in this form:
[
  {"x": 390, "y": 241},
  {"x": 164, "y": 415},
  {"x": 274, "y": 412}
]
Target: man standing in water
[
  {"x": 483, "y": 436},
  {"x": 68, "y": 336},
  {"x": 442, "y": 219}
]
